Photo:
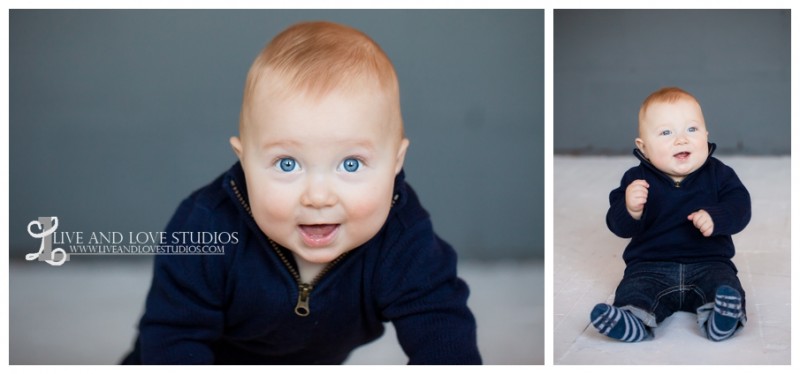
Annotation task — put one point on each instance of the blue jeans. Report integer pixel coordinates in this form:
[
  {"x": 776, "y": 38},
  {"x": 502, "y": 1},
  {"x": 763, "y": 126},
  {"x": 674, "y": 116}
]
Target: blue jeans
[{"x": 652, "y": 291}]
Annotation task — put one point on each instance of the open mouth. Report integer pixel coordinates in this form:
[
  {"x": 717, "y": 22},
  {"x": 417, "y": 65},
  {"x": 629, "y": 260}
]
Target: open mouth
[
  {"x": 682, "y": 155},
  {"x": 318, "y": 235}
]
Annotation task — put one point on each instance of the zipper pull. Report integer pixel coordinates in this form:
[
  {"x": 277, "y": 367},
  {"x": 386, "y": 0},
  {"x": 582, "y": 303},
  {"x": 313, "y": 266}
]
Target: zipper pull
[{"x": 302, "y": 309}]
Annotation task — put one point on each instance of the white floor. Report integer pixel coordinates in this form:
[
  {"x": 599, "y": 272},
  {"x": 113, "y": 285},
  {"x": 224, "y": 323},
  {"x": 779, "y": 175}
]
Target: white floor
[
  {"x": 588, "y": 266},
  {"x": 85, "y": 312}
]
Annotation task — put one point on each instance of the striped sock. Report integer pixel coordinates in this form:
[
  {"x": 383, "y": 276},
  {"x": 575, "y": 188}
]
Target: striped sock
[
  {"x": 618, "y": 324},
  {"x": 727, "y": 312}
]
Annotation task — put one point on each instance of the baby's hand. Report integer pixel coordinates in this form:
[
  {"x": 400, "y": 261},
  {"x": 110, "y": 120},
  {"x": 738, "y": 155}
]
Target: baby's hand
[
  {"x": 636, "y": 197},
  {"x": 702, "y": 220}
]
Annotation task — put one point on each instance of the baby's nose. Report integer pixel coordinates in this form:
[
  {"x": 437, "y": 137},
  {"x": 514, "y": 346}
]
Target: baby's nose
[{"x": 318, "y": 193}]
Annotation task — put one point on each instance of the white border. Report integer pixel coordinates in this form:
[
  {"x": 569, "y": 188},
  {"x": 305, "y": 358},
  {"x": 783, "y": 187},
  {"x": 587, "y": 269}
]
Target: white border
[
  {"x": 548, "y": 146},
  {"x": 548, "y": 187}
]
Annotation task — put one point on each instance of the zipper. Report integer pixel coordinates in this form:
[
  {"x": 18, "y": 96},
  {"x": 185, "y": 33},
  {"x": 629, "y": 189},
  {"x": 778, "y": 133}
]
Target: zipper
[
  {"x": 677, "y": 184},
  {"x": 302, "y": 308},
  {"x": 241, "y": 198}
]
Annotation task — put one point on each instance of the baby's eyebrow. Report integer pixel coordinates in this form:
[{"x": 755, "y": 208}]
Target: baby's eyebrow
[
  {"x": 366, "y": 144},
  {"x": 363, "y": 143},
  {"x": 285, "y": 143}
]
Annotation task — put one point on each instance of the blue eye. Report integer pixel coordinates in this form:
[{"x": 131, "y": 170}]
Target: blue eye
[
  {"x": 287, "y": 164},
  {"x": 692, "y": 129},
  {"x": 665, "y": 132},
  {"x": 350, "y": 165}
]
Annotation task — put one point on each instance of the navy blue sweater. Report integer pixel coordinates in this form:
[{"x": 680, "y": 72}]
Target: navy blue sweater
[
  {"x": 240, "y": 308},
  {"x": 664, "y": 233}
]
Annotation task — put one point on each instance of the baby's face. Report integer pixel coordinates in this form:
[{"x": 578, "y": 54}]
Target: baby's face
[
  {"x": 674, "y": 138},
  {"x": 320, "y": 172}
]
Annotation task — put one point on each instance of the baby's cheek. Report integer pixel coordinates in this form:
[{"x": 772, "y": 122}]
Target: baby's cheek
[
  {"x": 364, "y": 208},
  {"x": 273, "y": 209},
  {"x": 368, "y": 205}
]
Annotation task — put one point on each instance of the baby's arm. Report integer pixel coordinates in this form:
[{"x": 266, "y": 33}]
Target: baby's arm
[
  {"x": 703, "y": 222},
  {"x": 426, "y": 302},
  {"x": 731, "y": 213},
  {"x": 183, "y": 314},
  {"x": 627, "y": 205},
  {"x": 636, "y": 197}
]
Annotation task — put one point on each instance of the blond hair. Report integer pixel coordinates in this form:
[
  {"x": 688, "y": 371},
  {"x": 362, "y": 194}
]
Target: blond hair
[
  {"x": 664, "y": 95},
  {"x": 314, "y": 58}
]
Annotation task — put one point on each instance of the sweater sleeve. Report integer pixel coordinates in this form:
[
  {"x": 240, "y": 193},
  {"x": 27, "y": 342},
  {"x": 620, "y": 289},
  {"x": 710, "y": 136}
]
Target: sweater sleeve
[
  {"x": 183, "y": 313},
  {"x": 618, "y": 220},
  {"x": 732, "y": 213},
  {"x": 421, "y": 294}
]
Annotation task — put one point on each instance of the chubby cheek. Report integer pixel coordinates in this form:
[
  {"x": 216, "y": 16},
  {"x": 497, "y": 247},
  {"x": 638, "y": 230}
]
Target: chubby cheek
[
  {"x": 662, "y": 153},
  {"x": 274, "y": 207},
  {"x": 369, "y": 206},
  {"x": 703, "y": 151},
  {"x": 274, "y": 211}
]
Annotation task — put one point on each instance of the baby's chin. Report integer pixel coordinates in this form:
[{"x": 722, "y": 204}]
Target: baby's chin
[
  {"x": 319, "y": 255},
  {"x": 679, "y": 175}
]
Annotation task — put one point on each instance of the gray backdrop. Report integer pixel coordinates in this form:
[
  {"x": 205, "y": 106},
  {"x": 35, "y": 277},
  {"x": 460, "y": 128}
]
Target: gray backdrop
[
  {"x": 736, "y": 62},
  {"x": 115, "y": 116}
]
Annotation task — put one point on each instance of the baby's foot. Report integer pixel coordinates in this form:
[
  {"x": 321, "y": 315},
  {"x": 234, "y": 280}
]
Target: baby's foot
[
  {"x": 727, "y": 313},
  {"x": 618, "y": 323}
]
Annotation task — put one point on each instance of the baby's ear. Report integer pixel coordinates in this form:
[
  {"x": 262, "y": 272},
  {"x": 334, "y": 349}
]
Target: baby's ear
[
  {"x": 640, "y": 144},
  {"x": 236, "y": 144},
  {"x": 401, "y": 155}
]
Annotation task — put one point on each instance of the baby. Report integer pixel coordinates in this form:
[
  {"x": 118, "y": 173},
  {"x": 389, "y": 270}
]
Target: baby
[
  {"x": 331, "y": 240},
  {"x": 680, "y": 206}
]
